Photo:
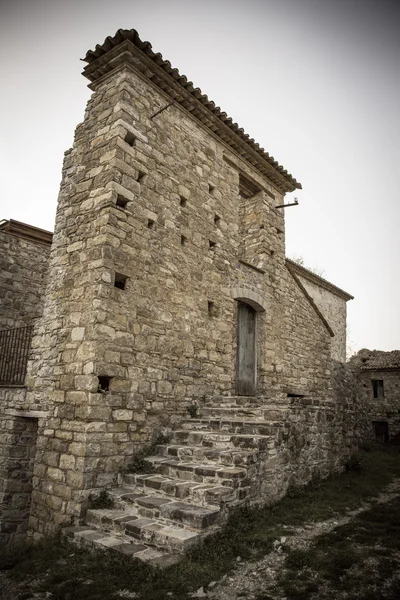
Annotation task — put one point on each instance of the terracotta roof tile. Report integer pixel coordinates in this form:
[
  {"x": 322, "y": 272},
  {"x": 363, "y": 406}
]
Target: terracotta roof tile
[{"x": 376, "y": 360}]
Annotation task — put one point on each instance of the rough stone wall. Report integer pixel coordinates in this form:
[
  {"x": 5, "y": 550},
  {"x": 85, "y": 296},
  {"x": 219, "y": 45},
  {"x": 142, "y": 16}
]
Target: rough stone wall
[
  {"x": 23, "y": 275},
  {"x": 17, "y": 453},
  {"x": 381, "y": 409},
  {"x": 334, "y": 309},
  {"x": 165, "y": 214}
]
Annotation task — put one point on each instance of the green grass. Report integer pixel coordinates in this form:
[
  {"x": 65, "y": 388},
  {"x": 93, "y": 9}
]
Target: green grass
[
  {"x": 359, "y": 559},
  {"x": 71, "y": 573}
]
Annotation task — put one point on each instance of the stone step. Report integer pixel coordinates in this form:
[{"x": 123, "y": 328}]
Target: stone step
[
  {"x": 234, "y": 401},
  {"x": 147, "y": 530},
  {"x": 265, "y": 412},
  {"x": 197, "y": 472},
  {"x": 245, "y": 426},
  {"x": 167, "y": 537},
  {"x": 192, "y": 492},
  {"x": 90, "y": 538},
  {"x": 135, "y": 501},
  {"x": 222, "y": 440},
  {"x": 205, "y": 455}
]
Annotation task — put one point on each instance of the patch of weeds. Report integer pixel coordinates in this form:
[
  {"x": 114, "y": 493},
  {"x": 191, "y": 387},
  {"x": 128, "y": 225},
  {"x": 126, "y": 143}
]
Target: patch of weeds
[
  {"x": 336, "y": 559},
  {"x": 356, "y": 559},
  {"x": 193, "y": 410},
  {"x": 101, "y": 500},
  {"x": 138, "y": 462},
  {"x": 354, "y": 464}
]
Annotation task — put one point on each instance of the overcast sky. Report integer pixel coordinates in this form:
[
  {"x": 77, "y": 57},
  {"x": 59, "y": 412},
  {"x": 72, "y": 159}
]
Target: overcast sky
[{"x": 315, "y": 82}]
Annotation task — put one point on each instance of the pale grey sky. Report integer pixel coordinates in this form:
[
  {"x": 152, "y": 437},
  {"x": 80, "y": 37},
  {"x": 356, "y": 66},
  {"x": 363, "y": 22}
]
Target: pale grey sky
[{"x": 315, "y": 82}]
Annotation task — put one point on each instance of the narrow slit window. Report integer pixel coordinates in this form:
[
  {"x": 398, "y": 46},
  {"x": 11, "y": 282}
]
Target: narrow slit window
[
  {"x": 130, "y": 139},
  {"x": 211, "y": 188},
  {"x": 183, "y": 240},
  {"x": 211, "y": 308},
  {"x": 182, "y": 201},
  {"x": 217, "y": 220},
  {"x": 120, "y": 281},
  {"x": 212, "y": 245},
  {"x": 150, "y": 224},
  {"x": 104, "y": 383},
  {"x": 121, "y": 201}
]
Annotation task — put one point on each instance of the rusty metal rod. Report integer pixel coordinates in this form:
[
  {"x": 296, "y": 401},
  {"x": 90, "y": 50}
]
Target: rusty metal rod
[
  {"x": 295, "y": 203},
  {"x": 162, "y": 109}
]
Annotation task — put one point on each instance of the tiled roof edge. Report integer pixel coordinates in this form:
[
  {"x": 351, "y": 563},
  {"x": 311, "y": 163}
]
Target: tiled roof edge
[
  {"x": 307, "y": 274},
  {"x": 132, "y": 35},
  {"x": 27, "y": 232}
]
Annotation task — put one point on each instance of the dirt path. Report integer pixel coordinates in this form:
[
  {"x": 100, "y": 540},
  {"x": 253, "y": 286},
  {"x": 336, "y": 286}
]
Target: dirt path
[{"x": 253, "y": 579}]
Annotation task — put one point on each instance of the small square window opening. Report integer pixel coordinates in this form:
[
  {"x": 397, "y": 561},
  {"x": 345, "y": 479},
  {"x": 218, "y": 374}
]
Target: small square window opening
[
  {"x": 130, "y": 139},
  {"x": 122, "y": 202},
  {"x": 120, "y": 281}
]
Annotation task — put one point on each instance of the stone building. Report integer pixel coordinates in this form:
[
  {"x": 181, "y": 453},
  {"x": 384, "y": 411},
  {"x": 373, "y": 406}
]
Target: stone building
[
  {"x": 377, "y": 376},
  {"x": 168, "y": 290}
]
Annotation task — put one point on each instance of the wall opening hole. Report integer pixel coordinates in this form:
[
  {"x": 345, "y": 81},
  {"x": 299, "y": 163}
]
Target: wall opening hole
[
  {"x": 121, "y": 201},
  {"x": 262, "y": 226},
  {"x": 104, "y": 383},
  {"x": 182, "y": 200},
  {"x": 211, "y": 188},
  {"x": 272, "y": 252},
  {"x": 211, "y": 309},
  {"x": 141, "y": 176},
  {"x": 130, "y": 139},
  {"x": 212, "y": 245},
  {"x": 150, "y": 224},
  {"x": 295, "y": 395},
  {"x": 279, "y": 231},
  {"x": 217, "y": 220},
  {"x": 183, "y": 240},
  {"x": 120, "y": 281}
]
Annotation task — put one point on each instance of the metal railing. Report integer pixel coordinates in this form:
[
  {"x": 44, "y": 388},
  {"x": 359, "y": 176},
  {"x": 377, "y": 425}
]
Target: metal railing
[{"x": 14, "y": 351}]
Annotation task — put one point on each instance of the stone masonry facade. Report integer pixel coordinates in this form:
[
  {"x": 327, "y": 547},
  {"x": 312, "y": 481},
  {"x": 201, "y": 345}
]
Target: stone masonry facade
[
  {"x": 377, "y": 376},
  {"x": 24, "y": 257},
  {"x": 166, "y": 225}
]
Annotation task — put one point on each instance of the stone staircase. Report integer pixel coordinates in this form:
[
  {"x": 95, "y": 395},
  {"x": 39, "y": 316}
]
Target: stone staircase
[{"x": 212, "y": 464}]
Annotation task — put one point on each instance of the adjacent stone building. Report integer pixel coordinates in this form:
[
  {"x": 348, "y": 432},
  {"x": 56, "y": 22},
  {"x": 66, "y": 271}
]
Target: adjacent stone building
[
  {"x": 168, "y": 288},
  {"x": 377, "y": 375}
]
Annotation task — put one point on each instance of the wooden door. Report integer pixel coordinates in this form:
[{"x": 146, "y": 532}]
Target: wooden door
[{"x": 246, "y": 350}]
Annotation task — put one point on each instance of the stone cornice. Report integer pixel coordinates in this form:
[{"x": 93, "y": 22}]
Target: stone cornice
[{"x": 127, "y": 48}]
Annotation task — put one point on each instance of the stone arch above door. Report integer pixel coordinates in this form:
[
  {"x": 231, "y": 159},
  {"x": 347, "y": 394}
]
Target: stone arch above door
[{"x": 246, "y": 295}]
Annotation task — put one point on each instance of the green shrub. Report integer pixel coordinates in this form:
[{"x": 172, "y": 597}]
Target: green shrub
[
  {"x": 102, "y": 500},
  {"x": 193, "y": 410}
]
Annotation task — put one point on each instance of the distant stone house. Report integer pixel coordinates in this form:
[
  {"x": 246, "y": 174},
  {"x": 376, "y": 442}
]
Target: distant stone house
[
  {"x": 168, "y": 287},
  {"x": 377, "y": 376}
]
